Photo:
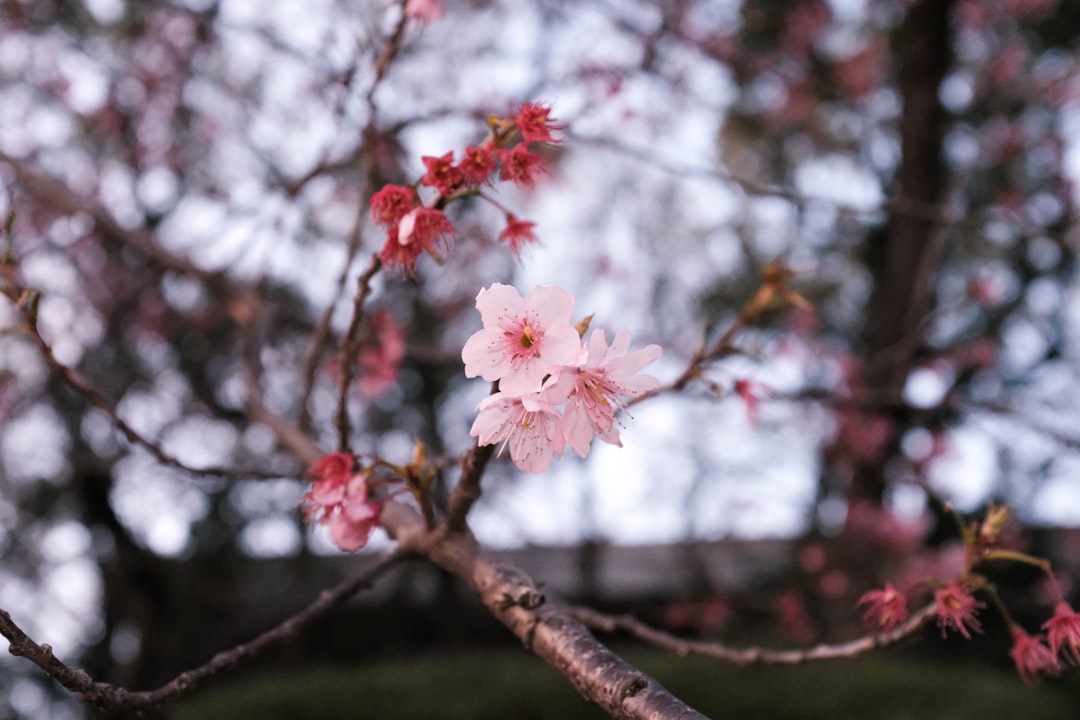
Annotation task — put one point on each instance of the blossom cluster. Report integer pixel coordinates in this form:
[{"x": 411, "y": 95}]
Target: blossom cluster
[
  {"x": 340, "y": 499},
  {"x": 955, "y": 608},
  {"x": 554, "y": 389},
  {"x": 414, "y": 227}
]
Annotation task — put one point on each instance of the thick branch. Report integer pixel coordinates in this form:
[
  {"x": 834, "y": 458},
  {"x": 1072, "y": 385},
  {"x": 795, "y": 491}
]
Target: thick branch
[
  {"x": 544, "y": 625},
  {"x": 467, "y": 491},
  {"x": 911, "y": 250}
]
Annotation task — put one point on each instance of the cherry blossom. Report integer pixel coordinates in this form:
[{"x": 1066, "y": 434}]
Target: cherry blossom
[
  {"x": 529, "y": 425},
  {"x": 956, "y": 608},
  {"x": 340, "y": 500},
  {"x": 554, "y": 390},
  {"x": 421, "y": 230},
  {"x": 750, "y": 392},
  {"x": 381, "y": 360},
  {"x": 1063, "y": 631},
  {"x": 442, "y": 174},
  {"x": 517, "y": 233},
  {"x": 523, "y": 339},
  {"x": 600, "y": 387},
  {"x": 478, "y": 164},
  {"x": 426, "y": 11},
  {"x": 886, "y": 608},
  {"x": 520, "y": 165},
  {"x": 534, "y": 122},
  {"x": 391, "y": 204},
  {"x": 1032, "y": 658}
]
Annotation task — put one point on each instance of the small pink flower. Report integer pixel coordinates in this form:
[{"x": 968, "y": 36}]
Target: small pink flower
[
  {"x": 397, "y": 256},
  {"x": 330, "y": 475},
  {"x": 1033, "y": 659},
  {"x": 886, "y": 608},
  {"x": 600, "y": 386},
  {"x": 523, "y": 339},
  {"x": 750, "y": 393},
  {"x": 339, "y": 499},
  {"x": 426, "y": 11},
  {"x": 520, "y": 165},
  {"x": 1063, "y": 631},
  {"x": 528, "y": 424},
  {"x": 517, "y": 233},
  {"x": 380, "y": 361},
  {"x": 427, "y": 228},
  {"x": 955, "y": 608},
  {"x": 421, "y": 230},
  {"x": 478, "y": 164},
  {"x": 535, "y": 123},
  {"x": 391, "y": 204},
  {"x": 442, "y": 174},
  {"x": 353, "y": 522}
]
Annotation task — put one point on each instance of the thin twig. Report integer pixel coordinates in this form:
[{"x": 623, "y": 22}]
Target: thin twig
[
  {"x": 75, "y": 380},
  {"x": 110, "y": 696},
  {"x": 322, "y": 328},
  {"x": 387, "y": 54},
  {"x": 747, "y": 656},
  {"x": 288, "y": 436},
  {"x": 693, "y": 369},
  {"x": 350, "y": 349},
  {"x": 57, "y": 195}
]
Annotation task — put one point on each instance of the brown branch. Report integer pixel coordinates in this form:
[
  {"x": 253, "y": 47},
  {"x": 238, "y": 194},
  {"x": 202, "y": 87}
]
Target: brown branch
[
  {"x": 350, "y": 349},
  {"x": 747, "y": 656},
  {"x": 75, "y": 380},
  {"x": 322, "y": 328},
  {"x": 62, "y": 199},
  {"x": 544, "y": 625},
  {"x": 697, "y": 363},
  {"x": 467, "y": 491},
  {"x": 288, "y": 436},
  {"x": 110, "y": 696},
  {"x": 387, "y": 54}
]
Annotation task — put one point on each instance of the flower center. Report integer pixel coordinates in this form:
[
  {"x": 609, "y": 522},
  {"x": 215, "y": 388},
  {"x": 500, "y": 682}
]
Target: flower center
[{"x": 527, "y": 339}]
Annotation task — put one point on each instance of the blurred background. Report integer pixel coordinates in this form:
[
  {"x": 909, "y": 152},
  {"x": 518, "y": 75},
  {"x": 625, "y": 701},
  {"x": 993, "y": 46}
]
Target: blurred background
[{"x": 188, "y": 187}]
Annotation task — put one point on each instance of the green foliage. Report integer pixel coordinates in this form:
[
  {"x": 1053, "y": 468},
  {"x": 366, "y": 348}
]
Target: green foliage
[{"x": 502, "y": 685}]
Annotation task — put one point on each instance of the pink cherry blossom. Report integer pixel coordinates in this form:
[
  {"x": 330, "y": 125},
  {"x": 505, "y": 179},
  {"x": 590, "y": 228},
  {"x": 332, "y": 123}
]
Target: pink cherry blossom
[
  {"x": 600, "y": 387},
  {"x": 1032, "y": 657},
  {"x": 426, "y": 11},
  {"x": 517, "y": 233},
  {"x": 886, "y": 608},
  {"x": 956, "y": 608},
  {"x": 353, "y": 522},
  {"x": 523, "y": 339},
  {"x": 1063, "y": 631},
  {"x": 535, "y": 123},
  {"x": 380, "y": 361},
  {"x": 528, "y": 424},
  {"x": 520, "y": 166},
  {"x": 340, "y": 500}
]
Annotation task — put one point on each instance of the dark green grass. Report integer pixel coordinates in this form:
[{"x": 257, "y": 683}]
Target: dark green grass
[{"x": 508, "y": 685}]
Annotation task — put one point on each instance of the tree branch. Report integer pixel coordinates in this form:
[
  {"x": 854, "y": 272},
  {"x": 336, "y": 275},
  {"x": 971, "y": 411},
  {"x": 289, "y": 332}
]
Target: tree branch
[
  {"x": 113, "y": 697},
  {"x": 747, "y": 656},
  {"x": 544, "y": 625},
  {"x": 350, "y": 347},
  {"x": 75, "y": 380},
  {"x": 467, "y": 491}
]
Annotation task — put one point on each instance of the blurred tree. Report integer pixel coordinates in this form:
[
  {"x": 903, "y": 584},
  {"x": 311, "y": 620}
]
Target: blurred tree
[{"x": 863, "y": 208}]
